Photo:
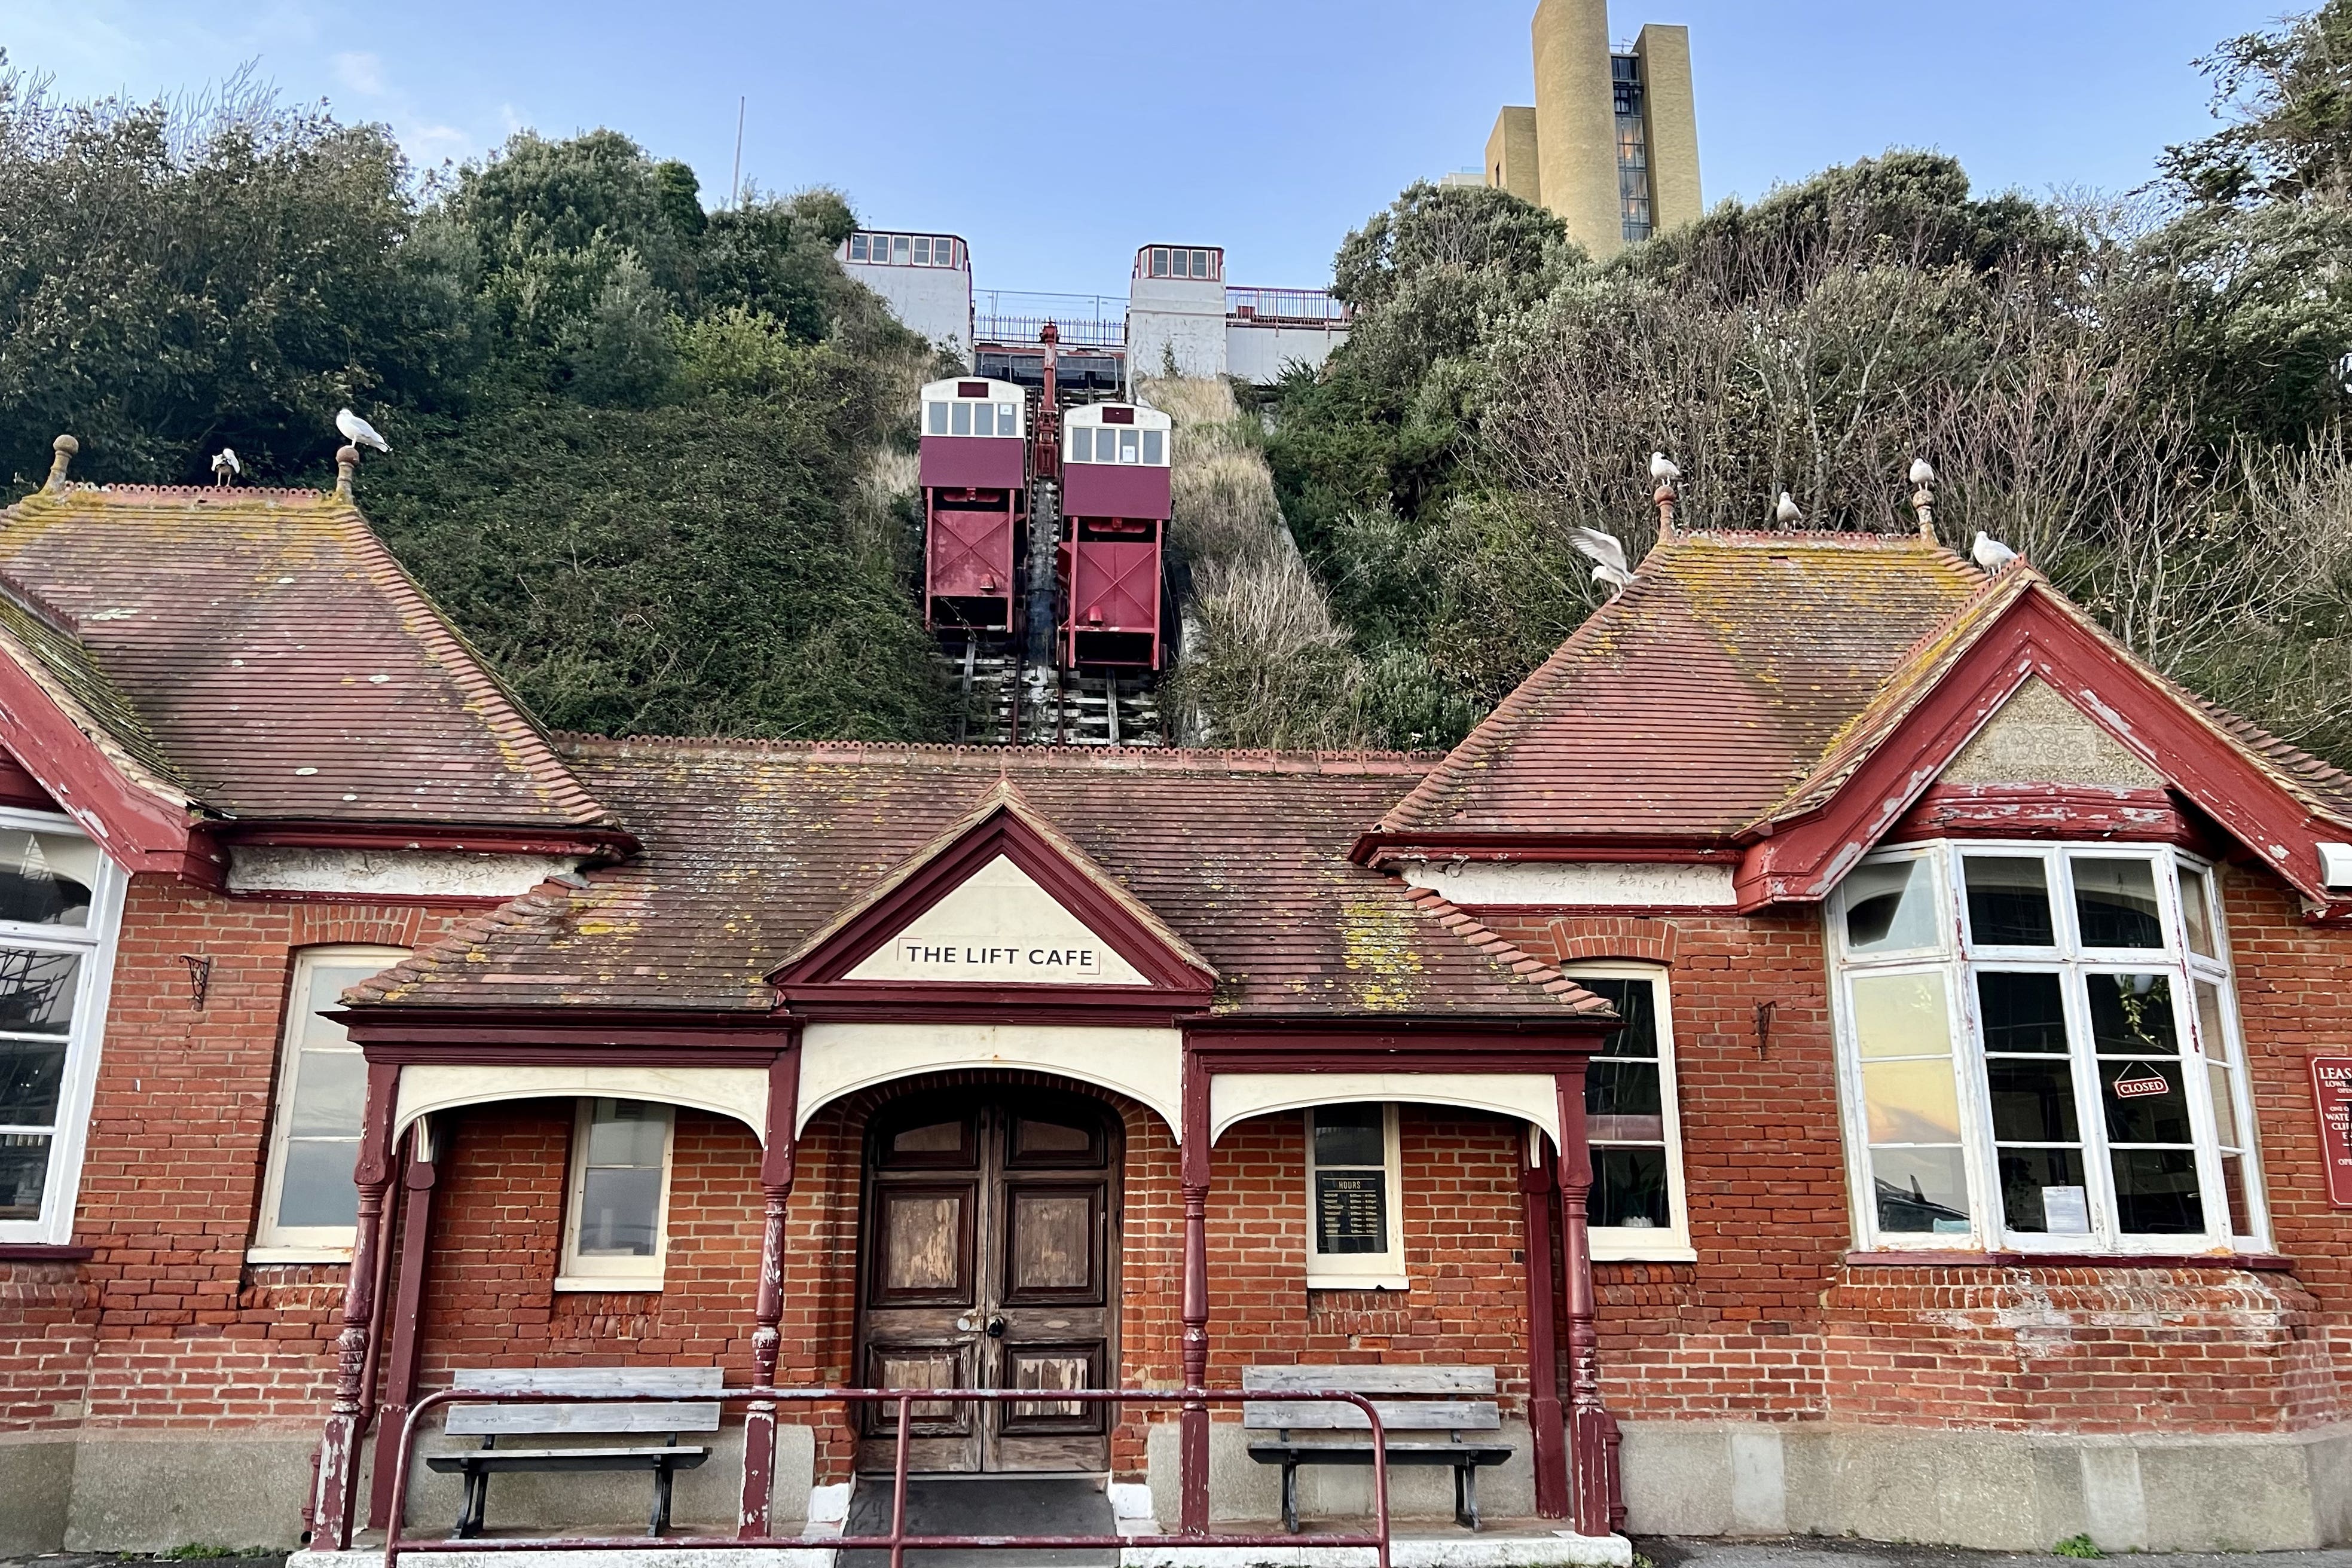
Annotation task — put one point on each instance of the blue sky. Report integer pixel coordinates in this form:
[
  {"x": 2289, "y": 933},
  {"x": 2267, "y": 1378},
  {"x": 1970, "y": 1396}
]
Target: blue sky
[{"x": 1057, "y": 137}]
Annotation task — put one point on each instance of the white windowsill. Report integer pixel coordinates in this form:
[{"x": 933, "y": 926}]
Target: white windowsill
[
  {"x": 298, "y": 1254},
  {"x": 1357, "y": 1282},
  {"x": 1609, "y": 1250},
  {"x": 616, "y": 1285}
]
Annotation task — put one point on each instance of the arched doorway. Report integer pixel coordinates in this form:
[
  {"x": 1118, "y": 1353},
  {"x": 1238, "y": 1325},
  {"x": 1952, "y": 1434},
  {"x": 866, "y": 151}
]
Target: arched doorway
[{"x": 989, "y": 1243}]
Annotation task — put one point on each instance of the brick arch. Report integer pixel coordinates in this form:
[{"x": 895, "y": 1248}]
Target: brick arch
[
  {"x": 1575, "y": 937},
  {"x": 333, "y": 925}
]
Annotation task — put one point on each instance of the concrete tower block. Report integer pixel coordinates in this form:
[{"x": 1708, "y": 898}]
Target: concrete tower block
[
  {"x": 1672, "y": 126},
  {"x": 1576, "y": 122},
  {"x": 1511, "y": 156}
]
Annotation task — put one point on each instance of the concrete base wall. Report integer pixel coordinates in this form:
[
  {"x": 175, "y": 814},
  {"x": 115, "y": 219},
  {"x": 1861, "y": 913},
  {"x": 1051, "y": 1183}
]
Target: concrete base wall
[
  {"x": 36, "y": 1480},
  {"x": 142, "y": 1492},
  {"x": 1240, "y": 1489},
  {"x": 2001, "y": 1492}
]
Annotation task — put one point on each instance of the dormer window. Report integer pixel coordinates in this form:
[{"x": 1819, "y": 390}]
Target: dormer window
[{"x": 2039, "y": 1052}]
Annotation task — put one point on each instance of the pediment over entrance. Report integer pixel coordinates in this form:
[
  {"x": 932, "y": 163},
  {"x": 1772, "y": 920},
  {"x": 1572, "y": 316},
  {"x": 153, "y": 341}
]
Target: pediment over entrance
[{"x": 1002, "y": 903}]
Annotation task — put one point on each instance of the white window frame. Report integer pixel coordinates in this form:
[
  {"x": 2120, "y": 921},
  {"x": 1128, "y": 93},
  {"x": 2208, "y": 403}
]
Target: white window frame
[
  {"x": 574, "y": 1272},
  {"x": 96, "y": 943},
  {"x": 1670, "y": 1243},
  {"x": 1382, "y": 1270},
  {"x": 273, "y": 1242},
  {"x": 1956, "y": 955}
]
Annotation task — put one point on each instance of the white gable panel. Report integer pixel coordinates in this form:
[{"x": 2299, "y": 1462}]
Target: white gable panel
[{"x": 998, "y": 926}]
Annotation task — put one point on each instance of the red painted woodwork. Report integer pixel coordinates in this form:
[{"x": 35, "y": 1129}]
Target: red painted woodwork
[
  {"x": 418, "y": 1178},
  {"x": 2043, "y": 810},
  {"x": 144, "y": 824},
  {"x": 1115, "y": 490},
  {"x": 1538, "y": 1183},
  {"x": 777, "y": 1163},
  {"x": 972, "y": 463},
  {"x": 21, "y": 790},
  {"x": 339, "y": 1449},
  {"x": 601, "y": 842}
]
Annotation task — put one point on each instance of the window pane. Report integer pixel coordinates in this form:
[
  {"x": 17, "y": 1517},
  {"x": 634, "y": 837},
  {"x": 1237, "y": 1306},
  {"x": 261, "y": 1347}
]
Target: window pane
[
  {"x": 617, "y": 1210},
  {"x": 32, "y": 1076},
  {"x": 46, "y": 878},
  {"x": 2210, "y": 1036},
  {"x": 857, "y": 248},
  {"x": 1636, "y": 1005},
  {"x": 2156, "y": 1191},
  {"x": 1901, "y": 1015},
  {"x": 1199, "y": 264},
  {"x": 329, "y": 1094},
  {"x": 2023, "y": 1012},
  {"x": 898, "y": 249},
  {"x": 935, "y": 418},
  {"x": 627, "y": 1133},
  {"x": 1349, "y": 1135},
  {"x": 1153, "y": 441},
  {"x": 2008, "y": 902},
  {"x": 1350, "y": 1212},
  {"x": 2234, "y": 1175},
  {"x": 318, "y": 1188},
  {"x": 983, "y": 419},
  {"x": 37, "y": 991},
  {"x": 960, "y": 419},
  {"x": 1008, "y": 419},
  {"x": 2115, "y": 903},
  {"x": 2224, "y": 1095},
  {"x": 1629, "y": 1188},
  {"x": 1082, "y": 443},
  {"x": 24, "y": 1173},
  {"x": 2032, "y": 1102},
  {"x": 1889, "y": 908},
  {"x": 2144, "y": 1103},
  {"x": 1622, "y": 1102},
  {"x": 1921, "y": 1190},
  {"x": 2043, "y": 1190},
  {"x": 1911, "y": 1102},
  {"x": 327, "y": 984},
  {"x": 1126, "y": 446},
  {"x": 922, "y": 250},
  {"x": 1159, "y": 263},
  {"x": 2197, "y": 910},
  {"x": 2131, "y": 1015}
]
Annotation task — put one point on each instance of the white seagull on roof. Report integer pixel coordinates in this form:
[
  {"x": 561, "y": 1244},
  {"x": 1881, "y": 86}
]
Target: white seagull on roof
[
  {"x": 1921, "y": 474},
  {"x": 1788, "y": 511},
  {"x": 1990, "y": 552},
  {"x": 1663, "y": 468},
  {"x": 359, "y": 431},
  {"x": 225, "y": 467},
  {"x": 1607, "y": 556}
]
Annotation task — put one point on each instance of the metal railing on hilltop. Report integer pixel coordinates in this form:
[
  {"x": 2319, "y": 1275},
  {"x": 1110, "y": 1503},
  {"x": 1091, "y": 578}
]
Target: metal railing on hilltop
[{"x": 1312, "y": 306}]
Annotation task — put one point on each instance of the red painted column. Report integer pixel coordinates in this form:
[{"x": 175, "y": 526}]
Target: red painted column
[
  {"x": 1591, "y": 1430},
  {"x": 777, "y": 1160},
  {"x": 338, "y": 1459},
  {"x": 419, "y": 1175},
  {"x": 1195, "y": 1171},
  {"x": 1544, "y": 1423}
]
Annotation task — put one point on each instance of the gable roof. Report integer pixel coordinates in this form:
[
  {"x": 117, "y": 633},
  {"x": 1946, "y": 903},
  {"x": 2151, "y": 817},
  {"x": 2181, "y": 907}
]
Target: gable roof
[
  {"x": 262, "y": 652},
  {"x": 754, "y": 852}
]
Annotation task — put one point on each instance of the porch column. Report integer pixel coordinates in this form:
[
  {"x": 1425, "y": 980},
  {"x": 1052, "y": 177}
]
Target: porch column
[
  {"x": 1194, "y": 1172},
  {"x": 331, "y": 1518},
  {"x": 1591, "y": 1429},
  {"x": 776, "y": 1168},
  {"x": 420, "y": 1174},
  {"x": 1536, "y": 1184}
]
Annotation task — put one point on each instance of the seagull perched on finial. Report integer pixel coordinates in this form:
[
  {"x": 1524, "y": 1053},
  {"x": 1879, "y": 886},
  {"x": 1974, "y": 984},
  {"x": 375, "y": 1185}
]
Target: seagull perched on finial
[
  {"x": 359, "y": 431},
  {"x": 1788, "y": 511},
  {"x": 1607, "y": 555},
  {"x": 1663, "y": 468},
  {"x": 1990, "y": 552},
  {"x": 225, "y": 467},
  {"x": 1921, "y": 474}
]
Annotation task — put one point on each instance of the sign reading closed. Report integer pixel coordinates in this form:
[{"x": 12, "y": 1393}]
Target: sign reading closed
[{"x": 2331, "y": 1090}]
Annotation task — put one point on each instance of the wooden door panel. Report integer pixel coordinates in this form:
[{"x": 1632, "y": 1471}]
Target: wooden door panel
[
  {"x": 1053, "y": 1244},
  {"x": 922, "y": 1245},
  {"x": 1050, "y": 1367},
  {"x": 921, "y": 1366}
]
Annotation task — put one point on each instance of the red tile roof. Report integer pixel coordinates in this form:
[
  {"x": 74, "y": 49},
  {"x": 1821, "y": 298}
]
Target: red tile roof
[
  {"x": 751, "y": 848},
  {"x": 263, "y": 650}
]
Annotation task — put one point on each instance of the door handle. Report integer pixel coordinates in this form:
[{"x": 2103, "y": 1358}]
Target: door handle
[{"x": 996, "y": 1327}]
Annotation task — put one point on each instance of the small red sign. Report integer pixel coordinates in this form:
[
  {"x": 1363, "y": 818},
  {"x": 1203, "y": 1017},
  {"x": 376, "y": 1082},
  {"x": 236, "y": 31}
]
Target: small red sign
[
  {"x": 2331, "y": 1090},
  {"x": 2135, "y": 1087}
]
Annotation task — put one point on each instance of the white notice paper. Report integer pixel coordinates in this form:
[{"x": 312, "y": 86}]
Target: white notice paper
[{"x": 2065, "y": 1210}]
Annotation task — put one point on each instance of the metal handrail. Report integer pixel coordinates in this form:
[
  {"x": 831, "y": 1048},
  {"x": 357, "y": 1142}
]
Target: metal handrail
[{"x": 897, "y": 1541}]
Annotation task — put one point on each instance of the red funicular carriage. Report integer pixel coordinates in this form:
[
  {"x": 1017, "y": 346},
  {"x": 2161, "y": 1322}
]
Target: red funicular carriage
[
  {"x": 1115, "y": 509},
  {"x": 974, "y": 474}
]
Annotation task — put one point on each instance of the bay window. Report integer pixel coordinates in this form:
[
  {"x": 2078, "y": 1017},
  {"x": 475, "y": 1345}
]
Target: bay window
[{"x": 2040, "y": 1051}]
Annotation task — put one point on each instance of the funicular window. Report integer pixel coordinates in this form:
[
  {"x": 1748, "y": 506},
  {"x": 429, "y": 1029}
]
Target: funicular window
[
  {"x": 1126, "y": 446},
  {"x": 1154, "y": 444},
  {"x": 935, "y": 418},
  {"x": 1082, "y": 443},
  {"x": 983, "y": 419},
  {"x": 960, "y": 419},
  {"x": 900, "y": 250},
  {"x": 1008, "y": 419}
]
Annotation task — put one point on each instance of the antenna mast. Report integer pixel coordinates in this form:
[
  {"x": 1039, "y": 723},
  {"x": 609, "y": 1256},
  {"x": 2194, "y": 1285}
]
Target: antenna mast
[{"x": 735, "y": 187}]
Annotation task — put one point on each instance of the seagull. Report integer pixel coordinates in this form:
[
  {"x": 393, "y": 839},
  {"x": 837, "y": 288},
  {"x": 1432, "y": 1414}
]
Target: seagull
[
  {"x": 1921, "y": 474},
  {"x": 1990, "y": 552},
  {"x": 1788, "y": 511},
  {"x": 1663, "y": 468},
  {"x": 359, "y": 431},
  {"x": 1607, "y": 555},
  {"x": 225, "y": 467}
]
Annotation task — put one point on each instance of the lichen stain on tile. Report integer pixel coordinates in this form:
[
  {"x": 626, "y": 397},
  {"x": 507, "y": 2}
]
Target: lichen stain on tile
[{"x": 1376, "y": 942}]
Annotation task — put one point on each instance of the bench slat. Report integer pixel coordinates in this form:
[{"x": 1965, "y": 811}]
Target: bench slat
[
  {"x": 566, "y": 1459},
  {"x": 1399, "y": 1416},
  {"x": 489, "y": 1420},
  {"x": 1371, "y": 1379}
]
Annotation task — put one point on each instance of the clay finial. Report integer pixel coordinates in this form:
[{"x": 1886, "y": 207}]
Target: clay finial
[
  {"x": 347, "y": 468},
  {"x": 65, "y": 446}
]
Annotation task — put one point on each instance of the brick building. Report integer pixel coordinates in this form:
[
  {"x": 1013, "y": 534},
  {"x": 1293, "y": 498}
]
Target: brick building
[{"x": 1926, "y": 996}]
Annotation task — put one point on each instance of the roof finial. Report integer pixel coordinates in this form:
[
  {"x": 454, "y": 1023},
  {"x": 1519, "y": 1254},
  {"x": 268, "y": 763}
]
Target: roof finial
[
  {"x": 65, "y": 446},
  {"x": 1664, "y": 470},
  {"x": 1923, "y": 498},
  {"x": 347, "y": 468}
]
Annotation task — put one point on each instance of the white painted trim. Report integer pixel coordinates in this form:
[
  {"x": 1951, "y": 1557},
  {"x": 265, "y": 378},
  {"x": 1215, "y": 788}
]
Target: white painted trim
[
  {"x": 298, "y": 1254},
  {"x": 574, "y": 1272},
  {"x": 739, "y": 1093},
  {"x": 1622, "y": 1244},
  {"x": 1237, "y": 1096},
  {"x": 1577, "y": 884},
  {"x": 1144, "y": 1064},
  {"x": 390, "y": 873},
  {"x": 98, "y": 944},
  {"x": 306, "y": 1243}
]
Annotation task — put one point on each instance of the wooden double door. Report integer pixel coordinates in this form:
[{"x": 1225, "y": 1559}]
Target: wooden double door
[{"x": 991, "y": 1242}]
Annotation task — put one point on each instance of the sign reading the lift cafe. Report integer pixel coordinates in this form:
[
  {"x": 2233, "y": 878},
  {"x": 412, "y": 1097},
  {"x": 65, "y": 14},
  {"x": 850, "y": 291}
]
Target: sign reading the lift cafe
[{"x": 2331, "y": 1090}]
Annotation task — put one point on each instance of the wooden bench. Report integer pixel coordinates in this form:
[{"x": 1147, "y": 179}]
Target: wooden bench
[
  {"x": 492, "y": 1422},
  {"x": 1441, "y": 1410}
]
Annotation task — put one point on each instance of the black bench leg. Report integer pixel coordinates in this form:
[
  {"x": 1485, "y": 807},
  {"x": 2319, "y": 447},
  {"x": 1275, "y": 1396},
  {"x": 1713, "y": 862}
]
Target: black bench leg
[
  {"x": 477, "y": 1503},
  {"x": 660, "y": 1521},
  {"x": 1290, "y": 1499},
  {"x": 1466, "y": 1496}
]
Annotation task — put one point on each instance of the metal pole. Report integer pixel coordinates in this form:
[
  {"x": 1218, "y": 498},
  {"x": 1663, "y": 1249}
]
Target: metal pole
[{"x": 899, "y": 1487}]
